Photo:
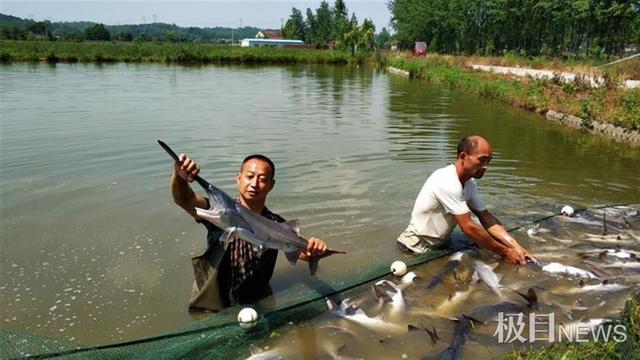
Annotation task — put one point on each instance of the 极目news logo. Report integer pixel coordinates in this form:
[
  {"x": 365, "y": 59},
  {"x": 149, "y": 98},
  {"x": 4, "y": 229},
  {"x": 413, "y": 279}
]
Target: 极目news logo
[{"x": 543, "y": 327}]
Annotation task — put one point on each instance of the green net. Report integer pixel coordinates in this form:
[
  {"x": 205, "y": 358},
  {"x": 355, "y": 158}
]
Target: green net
[{"x": 219, "y": 335}]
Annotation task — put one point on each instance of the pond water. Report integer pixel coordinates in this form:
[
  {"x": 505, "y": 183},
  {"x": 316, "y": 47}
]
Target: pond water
[{"x": 94, "y": 250}]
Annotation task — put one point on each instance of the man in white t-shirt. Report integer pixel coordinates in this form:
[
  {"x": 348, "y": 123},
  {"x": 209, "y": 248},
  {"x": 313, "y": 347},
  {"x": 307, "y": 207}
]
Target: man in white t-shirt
[{"x": 447, "y": 199}]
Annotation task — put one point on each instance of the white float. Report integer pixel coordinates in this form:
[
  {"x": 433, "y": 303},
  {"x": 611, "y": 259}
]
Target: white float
[
  {"x": 247, "y": 318},
  {"x": 567, "y": 211},
  {"x": 398, "y": 268}
]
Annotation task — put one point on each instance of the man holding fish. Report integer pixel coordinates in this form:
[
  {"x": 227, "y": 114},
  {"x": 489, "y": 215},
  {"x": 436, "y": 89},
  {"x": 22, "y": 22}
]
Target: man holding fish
[
  {"x": 240, "y": 272},
  {"x": 448, "y": 198}
]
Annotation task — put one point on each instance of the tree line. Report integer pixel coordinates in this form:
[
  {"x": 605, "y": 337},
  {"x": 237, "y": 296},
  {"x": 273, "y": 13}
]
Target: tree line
[
  {"x": 532, "y": 27},
  {"x": 331, "y": 25},
  {"x": 15, "y": 28}
]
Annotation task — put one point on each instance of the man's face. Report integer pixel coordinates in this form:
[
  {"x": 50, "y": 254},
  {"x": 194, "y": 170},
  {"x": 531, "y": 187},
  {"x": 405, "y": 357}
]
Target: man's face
[
  {"x": 255, "y": 180},
  {"x": 476, "y": 163}
]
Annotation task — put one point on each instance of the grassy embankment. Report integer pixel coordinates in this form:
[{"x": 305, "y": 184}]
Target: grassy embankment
[
  {"x": 607, "y": 103},
  {"x": 182, "y": 53},
  {"x": 629, "y": 349}
]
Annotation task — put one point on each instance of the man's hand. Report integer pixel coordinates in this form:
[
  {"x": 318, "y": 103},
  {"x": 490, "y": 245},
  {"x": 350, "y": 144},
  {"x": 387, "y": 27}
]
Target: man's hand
[
  {"x": 527, "y": 255},
  {"x": 186, "y": 168},
  {"x": 316, "y": 247},
  {"x": 515, "y": 256}
]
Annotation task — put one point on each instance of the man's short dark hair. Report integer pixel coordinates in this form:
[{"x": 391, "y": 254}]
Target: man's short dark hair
[
  {"x": 263, "y": 158},
  {"x": 468, "y": 145}
]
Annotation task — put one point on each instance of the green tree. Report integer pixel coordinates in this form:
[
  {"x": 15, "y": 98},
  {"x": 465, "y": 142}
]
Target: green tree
[
  {"x": 367, "y": 35},
  {"x": 170, "y": 36},
  {"x": 97, "y": 32},
  {"x": 12, "y": 32},
  {"x": 294, "y": 27},
  {"x": 340, "y": 15},
  {"x": 351, "y": 38},
  {"x": 383, "y": 39},
  {"x": 550, "y": 27},
  {"x": 310, "y": 27},
  {"x": 39, "y": 30},
  {"x": 123, "y": 36},
  {"x": 324, "y": 22}
]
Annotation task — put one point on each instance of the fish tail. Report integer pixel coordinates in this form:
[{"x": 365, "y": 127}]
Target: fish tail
[{"x": 313, "y": 265}]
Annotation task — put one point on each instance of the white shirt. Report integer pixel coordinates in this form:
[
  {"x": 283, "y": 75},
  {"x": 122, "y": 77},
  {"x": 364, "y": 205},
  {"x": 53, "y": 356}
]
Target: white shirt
[{"x": 442, "y": 196}]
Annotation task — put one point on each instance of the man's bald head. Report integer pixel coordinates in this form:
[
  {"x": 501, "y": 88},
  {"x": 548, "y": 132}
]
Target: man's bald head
[{"x": 470, "y": 144}]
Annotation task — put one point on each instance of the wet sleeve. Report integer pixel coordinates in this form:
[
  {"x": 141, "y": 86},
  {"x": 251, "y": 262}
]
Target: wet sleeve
[
  {"x": 452, "y": 198},
  {"x": 475, "y": 201}
]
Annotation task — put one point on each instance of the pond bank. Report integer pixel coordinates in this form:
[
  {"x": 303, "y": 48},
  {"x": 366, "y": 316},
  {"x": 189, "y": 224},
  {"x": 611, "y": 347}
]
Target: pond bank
[
  {"x": 173, "y": 53},
  {"x": 606, "y": 110}
]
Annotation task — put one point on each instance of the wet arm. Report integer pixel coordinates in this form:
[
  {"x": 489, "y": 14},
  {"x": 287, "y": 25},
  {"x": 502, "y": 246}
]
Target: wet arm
[
  {"x": 184, "y": 196},
  {"x": 479, "y": 235},
  {"x": 501, "y": 234}
]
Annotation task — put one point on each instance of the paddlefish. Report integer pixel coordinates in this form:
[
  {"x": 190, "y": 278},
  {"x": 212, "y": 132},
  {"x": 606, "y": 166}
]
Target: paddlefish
[
  {"x": 238, "y": 221},
  {"x": 605, "y": 286},
  {"x": 555, "y": 268},
  {"x": 461, "y": 332},
  {"x": 491, "y": 279},
  {"x": 355, "y": 314},
  {"x": 454, "y": 261}
]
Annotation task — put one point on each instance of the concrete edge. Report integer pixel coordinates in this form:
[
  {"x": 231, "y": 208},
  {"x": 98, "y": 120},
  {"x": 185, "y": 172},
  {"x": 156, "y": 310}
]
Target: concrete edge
[
  {"x": 397, "y": 71},
  {"x": 610, "y": 131}
]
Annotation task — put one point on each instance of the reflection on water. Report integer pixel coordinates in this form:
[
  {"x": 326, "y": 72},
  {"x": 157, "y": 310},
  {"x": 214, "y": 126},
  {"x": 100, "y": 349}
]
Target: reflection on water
[{"x": 93, "y": 248}]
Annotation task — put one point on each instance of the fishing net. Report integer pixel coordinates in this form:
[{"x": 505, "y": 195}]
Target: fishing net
[{"x": 219, "y": 336}]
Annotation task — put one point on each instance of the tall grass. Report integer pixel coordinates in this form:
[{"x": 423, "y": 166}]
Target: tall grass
[{"x": 163, "y": 52}]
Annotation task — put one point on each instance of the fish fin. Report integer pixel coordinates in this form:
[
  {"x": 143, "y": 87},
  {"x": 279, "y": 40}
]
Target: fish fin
[
  {"x": 413, "y": 328},
  {"x": 475, "y": 277},
  {"x": 211, "y": 215},
  {"x": 472, "y": 319},
  {"x": 227, "y": 236},
  {"x": 456, "y": 276},
  {"x": 432, "y": 334},
  {"x": 330, "y": 304},
  {"x": 313, "y": 265},
  {"x": 295, "y": 225},
  {"x": 530, "y": 296},
  {"x": 292, "y": 256},
  {"x": 380, "y": 294}
]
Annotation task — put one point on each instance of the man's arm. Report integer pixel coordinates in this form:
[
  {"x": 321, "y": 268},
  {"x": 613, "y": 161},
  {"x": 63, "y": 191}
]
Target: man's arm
[
  {"x": 183, "y": 173},
  {"x": 499, "y": 232},
  {"x": 485, "y": 240}
]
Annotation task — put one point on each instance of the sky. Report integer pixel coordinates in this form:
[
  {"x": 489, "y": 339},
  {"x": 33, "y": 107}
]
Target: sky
[{"x": 203, "y": 13}]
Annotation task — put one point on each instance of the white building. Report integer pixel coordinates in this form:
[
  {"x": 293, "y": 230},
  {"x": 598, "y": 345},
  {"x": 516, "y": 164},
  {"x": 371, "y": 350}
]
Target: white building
[{"x": 271, "y": 42}]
